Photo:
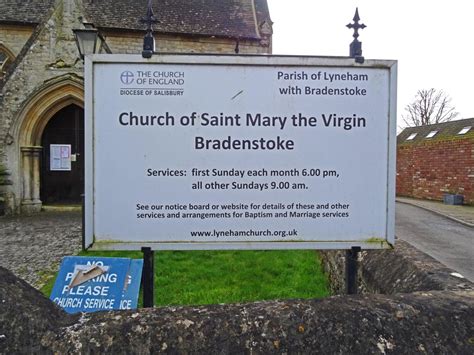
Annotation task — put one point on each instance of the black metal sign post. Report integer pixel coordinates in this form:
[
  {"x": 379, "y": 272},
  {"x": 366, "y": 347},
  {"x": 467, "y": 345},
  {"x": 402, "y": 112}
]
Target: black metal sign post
[
  {"x": 352, "y": 255},
  {"x": 352, "y": 267},
  {"x": 148, "y": 276}
]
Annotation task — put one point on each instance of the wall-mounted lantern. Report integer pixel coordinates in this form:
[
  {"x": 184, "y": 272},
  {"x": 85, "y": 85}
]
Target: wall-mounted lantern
[{"x": 89, "y": 40}]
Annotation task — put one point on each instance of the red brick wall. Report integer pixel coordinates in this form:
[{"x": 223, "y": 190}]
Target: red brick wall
[{"x": 428, "y": 170}]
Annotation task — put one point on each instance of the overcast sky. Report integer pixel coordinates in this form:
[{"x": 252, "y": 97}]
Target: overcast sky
[{"x": 433, "y": 40}]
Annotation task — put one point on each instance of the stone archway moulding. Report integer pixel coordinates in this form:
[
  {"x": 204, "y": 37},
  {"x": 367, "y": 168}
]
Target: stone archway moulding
[{"x": 50, "y": 98}]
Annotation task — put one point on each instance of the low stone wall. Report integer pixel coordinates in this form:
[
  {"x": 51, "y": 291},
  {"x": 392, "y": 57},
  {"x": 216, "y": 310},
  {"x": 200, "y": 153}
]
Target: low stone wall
[
  {"x": 401, "y": 270},
  {"x": 427, "y": 322}
]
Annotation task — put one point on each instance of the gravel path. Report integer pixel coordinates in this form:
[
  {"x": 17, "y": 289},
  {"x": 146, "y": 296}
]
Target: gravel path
[{"x": 32, "y": 246}]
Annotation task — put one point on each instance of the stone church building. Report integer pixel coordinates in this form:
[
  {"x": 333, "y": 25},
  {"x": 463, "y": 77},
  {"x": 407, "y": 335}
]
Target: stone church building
[{"x": 42, "y": 84}]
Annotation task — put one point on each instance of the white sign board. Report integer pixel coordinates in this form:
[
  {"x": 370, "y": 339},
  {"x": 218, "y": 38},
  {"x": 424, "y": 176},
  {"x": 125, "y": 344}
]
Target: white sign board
[
  {"x": 60, "y": 157},
  {"x": 239, "y": 152}
]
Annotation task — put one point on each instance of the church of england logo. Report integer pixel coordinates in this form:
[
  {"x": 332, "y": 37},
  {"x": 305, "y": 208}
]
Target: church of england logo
[{"x": 127, "y": 77}]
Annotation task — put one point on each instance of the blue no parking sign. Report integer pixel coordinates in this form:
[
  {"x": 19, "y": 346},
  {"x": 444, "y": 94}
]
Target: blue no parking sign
[{"x": 90, "y": 284}]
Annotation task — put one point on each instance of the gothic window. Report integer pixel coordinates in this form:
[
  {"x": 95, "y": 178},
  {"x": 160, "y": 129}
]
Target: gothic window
[{"x": 6, "y": 58}]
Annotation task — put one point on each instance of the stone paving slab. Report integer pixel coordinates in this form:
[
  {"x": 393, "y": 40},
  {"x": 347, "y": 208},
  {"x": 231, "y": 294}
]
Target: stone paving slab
[
  {"x": 32, "y": 246},
  {"x": 463, "y": 214}
]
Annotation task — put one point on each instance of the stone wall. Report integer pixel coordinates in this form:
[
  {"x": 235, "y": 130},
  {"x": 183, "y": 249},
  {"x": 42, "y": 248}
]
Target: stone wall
[
  {"x": 438, "y": 322},
  {"x": 419, "y": 306},
  {"x": 430, "y": 169},
  {"x": 15, "y": 37},
  {"x": 4, "y": 181},
  {"x": 403, "y": 269},
  {"x": 133, "y": 44}
]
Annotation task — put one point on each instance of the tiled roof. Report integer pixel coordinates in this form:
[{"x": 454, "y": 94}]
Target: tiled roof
[
  {"x": 229, "y": 18},
  {"x": 233, "y": 18},
  {"x": 24, "y": 11},
  {"x": 446, "y": 130}
]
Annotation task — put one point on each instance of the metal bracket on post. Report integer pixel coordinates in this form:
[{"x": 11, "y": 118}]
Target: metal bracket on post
[
  {"x": 148, "y": 275},
  {"x": 355, "y": 48},
  {"x": 237, "y": 46},
  {"x": 352, "y": 266}
]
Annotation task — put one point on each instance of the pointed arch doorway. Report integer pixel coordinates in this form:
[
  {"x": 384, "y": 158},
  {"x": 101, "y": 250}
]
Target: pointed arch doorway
[
  {"x": 62, "y": 161},
  {"x": 53, "y": 115}
]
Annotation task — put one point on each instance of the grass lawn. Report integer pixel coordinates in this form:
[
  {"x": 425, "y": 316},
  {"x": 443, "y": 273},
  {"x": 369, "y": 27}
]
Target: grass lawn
[{"x": 209, "y": 277}]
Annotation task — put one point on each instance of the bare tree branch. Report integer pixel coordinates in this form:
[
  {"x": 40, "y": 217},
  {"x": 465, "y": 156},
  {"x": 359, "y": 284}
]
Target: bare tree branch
[{"x": 429, "y": 107}]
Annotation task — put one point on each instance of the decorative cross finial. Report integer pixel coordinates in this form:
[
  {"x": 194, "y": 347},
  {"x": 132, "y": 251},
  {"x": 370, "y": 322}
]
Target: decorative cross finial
[
  {"x": 149, "y": 40},
  {"x": 150, "y": 17},
  {"x": 356, "y": 26},
  {"x": 356, "y": 45}
]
